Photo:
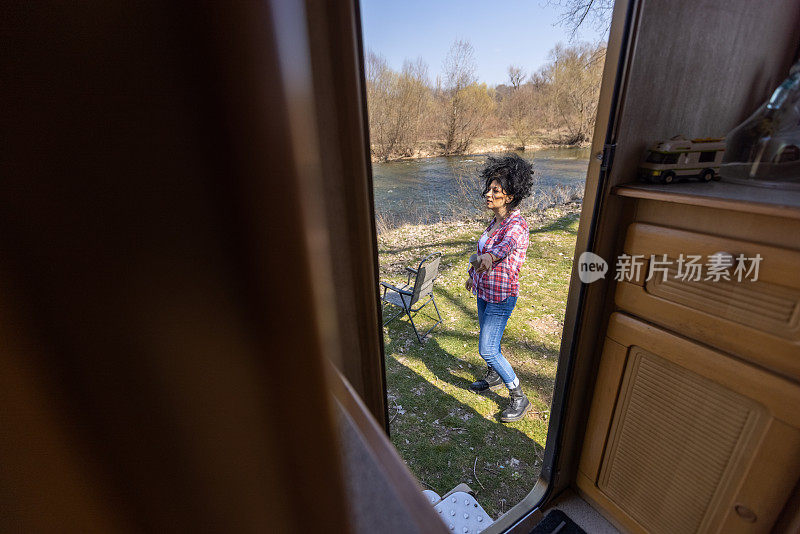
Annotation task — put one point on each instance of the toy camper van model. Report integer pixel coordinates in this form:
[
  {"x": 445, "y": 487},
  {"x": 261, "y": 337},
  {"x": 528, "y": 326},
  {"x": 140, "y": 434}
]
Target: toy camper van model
[{"x": 681, "y": 158}]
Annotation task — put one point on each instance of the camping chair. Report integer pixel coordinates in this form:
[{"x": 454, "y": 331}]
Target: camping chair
[{"x": 408, "y": 296}]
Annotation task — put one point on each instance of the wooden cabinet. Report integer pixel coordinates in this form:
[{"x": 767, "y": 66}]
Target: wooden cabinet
[
  {"x": 684, "y": 438},
  {"x": 694, "y": 424},
  {"x": 755, "y": 316}
]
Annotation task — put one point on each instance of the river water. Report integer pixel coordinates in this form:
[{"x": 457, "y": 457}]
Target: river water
[{"x": 432, "y": 189}]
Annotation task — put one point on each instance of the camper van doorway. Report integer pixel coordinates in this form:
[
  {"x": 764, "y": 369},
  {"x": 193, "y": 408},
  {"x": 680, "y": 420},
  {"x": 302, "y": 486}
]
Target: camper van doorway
[{"x": 445, "y": 102}]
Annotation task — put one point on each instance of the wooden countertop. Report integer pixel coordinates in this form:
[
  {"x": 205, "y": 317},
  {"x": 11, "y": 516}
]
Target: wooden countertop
[{"x": 722, "y": 195}]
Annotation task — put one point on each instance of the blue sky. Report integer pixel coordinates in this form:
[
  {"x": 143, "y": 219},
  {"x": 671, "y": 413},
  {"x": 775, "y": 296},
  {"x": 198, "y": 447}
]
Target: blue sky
[{"x": 503, "y": 32}]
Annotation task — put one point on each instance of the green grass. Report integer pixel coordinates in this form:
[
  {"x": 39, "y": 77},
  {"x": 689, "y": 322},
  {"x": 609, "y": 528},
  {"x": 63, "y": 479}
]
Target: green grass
[{"x": 445, "y": 433}]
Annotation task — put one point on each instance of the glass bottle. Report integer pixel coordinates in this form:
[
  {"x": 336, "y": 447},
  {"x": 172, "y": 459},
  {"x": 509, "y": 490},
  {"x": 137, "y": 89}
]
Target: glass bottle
[{"x": 764, "y": 150}]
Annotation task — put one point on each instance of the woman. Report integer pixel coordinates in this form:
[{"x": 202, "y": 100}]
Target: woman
[{"x": 494, "y": 275}]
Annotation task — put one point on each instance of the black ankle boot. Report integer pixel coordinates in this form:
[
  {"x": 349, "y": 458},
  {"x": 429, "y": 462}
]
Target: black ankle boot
[
  {"x": 492, "y": 379},
  {"x": 518, "y": 406}
]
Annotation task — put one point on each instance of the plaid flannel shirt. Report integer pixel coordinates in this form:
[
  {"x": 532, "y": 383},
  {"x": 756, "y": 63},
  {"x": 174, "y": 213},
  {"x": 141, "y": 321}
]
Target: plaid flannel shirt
[{"x": 509, "y": 243}]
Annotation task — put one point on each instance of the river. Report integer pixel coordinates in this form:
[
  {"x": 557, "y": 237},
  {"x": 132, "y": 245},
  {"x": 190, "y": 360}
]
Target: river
[{"x": 432, "y": 189}]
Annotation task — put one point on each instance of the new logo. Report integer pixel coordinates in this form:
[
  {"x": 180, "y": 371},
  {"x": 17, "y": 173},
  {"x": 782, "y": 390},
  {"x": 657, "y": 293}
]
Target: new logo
[{"x": 591, "y": 267}]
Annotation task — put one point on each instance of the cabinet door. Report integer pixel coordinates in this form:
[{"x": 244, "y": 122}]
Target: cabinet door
[
  {"x": 683, "y": 438},
  {"x": 758, "y": 320}
]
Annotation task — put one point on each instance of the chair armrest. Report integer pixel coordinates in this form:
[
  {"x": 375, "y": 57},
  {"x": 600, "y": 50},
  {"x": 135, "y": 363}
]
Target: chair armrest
[
  {"x": 395, "y": 288},
  {"x": 410, "y": 271}
]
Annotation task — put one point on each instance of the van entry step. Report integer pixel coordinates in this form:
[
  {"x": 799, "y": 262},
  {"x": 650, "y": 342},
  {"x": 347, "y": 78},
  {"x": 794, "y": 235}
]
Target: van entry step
[{"x": 460, "y": 510}]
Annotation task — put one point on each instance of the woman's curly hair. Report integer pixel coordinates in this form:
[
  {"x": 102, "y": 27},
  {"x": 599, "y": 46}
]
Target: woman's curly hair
[{"x": 514, "y": 174}]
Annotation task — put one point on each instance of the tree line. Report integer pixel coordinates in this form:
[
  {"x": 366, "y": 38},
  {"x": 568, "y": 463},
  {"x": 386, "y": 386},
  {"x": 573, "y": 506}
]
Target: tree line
[{"x": 406, "y": 111}]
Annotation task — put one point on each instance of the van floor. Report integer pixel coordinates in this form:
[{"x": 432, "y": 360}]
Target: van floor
[{"x": 582, "y": 514}]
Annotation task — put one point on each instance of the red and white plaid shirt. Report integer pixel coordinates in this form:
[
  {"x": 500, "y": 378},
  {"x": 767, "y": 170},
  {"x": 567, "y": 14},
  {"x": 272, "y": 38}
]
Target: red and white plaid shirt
[{"x": 509, "y": 243}]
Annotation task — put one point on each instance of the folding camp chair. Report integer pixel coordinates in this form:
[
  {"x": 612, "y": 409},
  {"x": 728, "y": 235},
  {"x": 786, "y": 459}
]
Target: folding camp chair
[{"x": 408, "y": 297}]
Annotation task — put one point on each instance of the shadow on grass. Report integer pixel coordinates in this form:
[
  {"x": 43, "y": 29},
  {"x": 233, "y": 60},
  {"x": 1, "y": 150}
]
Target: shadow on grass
[
  {"x": 439, "y": 244},
  {"x": 442, "y": 363},
  {"x": 392, "y": 267},
  {"x": 400, "y": 328},
  {"x": 561, "y": 224},
  {"x": 446, "y": 441},
  {"x": 456, "y": 302},
  {"x": 472, "y": 312}
]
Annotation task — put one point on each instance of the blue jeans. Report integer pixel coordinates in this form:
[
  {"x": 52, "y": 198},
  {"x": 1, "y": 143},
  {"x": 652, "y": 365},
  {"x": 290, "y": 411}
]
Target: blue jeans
[{"x": 492, "y": 317}]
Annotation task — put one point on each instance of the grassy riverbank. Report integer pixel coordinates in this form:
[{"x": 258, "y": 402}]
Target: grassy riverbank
[
  {"x": 491, "y": 145},
  {"x": 446, "y": 433}
]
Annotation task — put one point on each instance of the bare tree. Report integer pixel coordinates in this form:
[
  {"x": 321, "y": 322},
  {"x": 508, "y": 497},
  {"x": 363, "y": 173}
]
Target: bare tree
[
  {"x": 376, "y": 66},
  {"x": 464, "y": 104},
  {"x": 459, "y": 66},
  {"x": 414, "y": 101},
  {"x": 519, "y": 108},
  {"x": 515, "y": 76},
  {"x": 396, "y": 105},
  {"x": 378, "y": 77},
  {"x": 570, "y": 86},
  {"x": 576, "y": 13}
]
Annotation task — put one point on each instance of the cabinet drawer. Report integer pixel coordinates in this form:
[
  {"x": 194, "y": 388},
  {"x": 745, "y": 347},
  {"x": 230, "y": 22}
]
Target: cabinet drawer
[
  {"x": 757, "y": 320},
  {"x": 680, "y": 436}
]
